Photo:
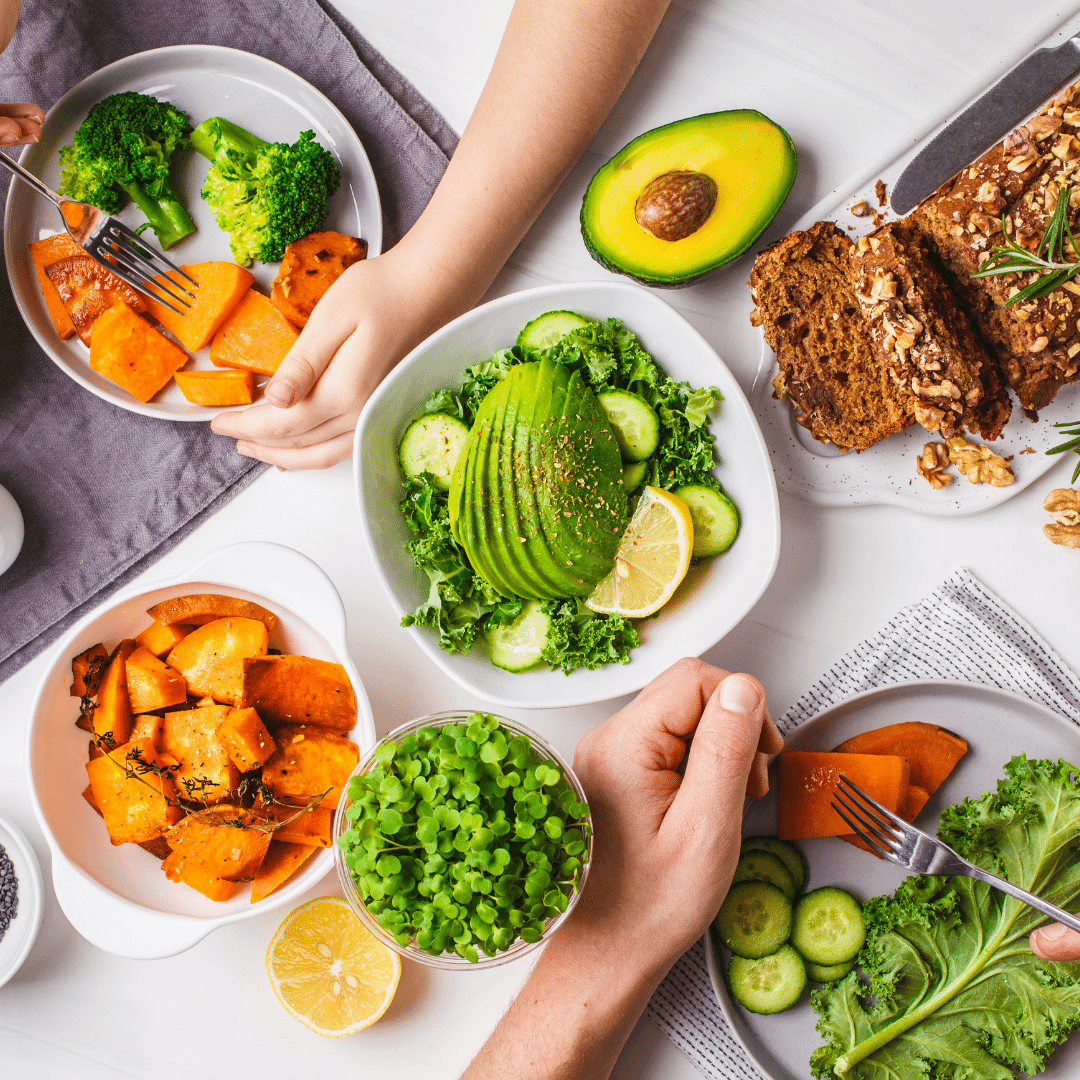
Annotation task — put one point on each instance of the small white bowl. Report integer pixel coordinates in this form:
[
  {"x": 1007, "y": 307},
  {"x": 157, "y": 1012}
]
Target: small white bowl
[
  {"x": 22, "y": 931},
  {"x": 717, "y": 593},
  {"x": 117, "y": 897}
]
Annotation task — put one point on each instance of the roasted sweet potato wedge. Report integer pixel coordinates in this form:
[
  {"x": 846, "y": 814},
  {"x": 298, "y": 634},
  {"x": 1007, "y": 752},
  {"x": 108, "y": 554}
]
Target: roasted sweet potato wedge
[
  {"x": 152, "y": 684},
  {"x": 148, "y": 726},
  {"x": 87, "y": 290},
  {"x": 281, "y": 862},
  {"x": 312, "y": 828},
  {"x": 127, "y": 350},
  {"x": 160, "y": 639},
  {"x": 211, "y": 657},
  {"x": 309, "y": 267},
  {"x": 223, "y": 841},
  {"x": 221, "y": 286},
  {"x": 136, "y": 802},
  {"x": 932, "y": 751},
  {"x": 111, "y": 719},
  {"x": 217, "y": 389},
  {"x": 178, "y": 867},
  {"x": 256, "y": 336},
  {"x": 87, "y": 670},
  {"x": 309, "y": 760},
  {"x": 245, "y": 739},
  {"x": 206, "y": 774},
  {"x": 197, "y": 609},
  {"x": 299, "y": 690},
  {"x": 45, "y": 252}
]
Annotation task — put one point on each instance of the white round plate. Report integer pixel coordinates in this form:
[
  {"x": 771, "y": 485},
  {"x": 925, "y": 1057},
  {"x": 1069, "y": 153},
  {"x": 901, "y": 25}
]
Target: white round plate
[
  {"x": 203, "y": 80},
  {"x": 717, "y": 593},
  {"x": 11, "y": 529},
  {"x": 22, "y": 931},
  {"x": 997, "y": 725}
]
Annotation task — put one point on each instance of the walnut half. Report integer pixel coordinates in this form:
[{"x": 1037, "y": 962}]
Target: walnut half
[
  {"x": 979, "y": 463},
  {"x": 1063, "y": 505},
  {"x": 932, "y": 463}
]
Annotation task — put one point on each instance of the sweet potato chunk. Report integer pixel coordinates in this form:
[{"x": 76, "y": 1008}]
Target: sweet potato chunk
[
  {"x": 299, "y": 690},
  {"x": 149, "y": 726},
  {"x": 201, "y": 608},
  {"x": 217, "y": 388},
  {"x": 221, "y": 286},
  {"x": 44, "y": 253},
  {"x": 223, "y": 841},
  {"x": 111, "y": 719},
  {"x": 135, "y": 807},
  {"x": 312, "y": 828},
  {"x": 87, "y": 290},
  {"x": 159, "y": 639},
  {"x": 88, "y": 795},
  {"x": 255, "y": 337},
  {"x": 807, "y": 787},
  {"x": 932, "y": 751},
  {"x": 211, "y": 657},
  {"x": 309, "y": 267},
  {"x": 281, "y": 862},
  {"x": 128, "y": 350},
  {"x": 159, "y": 848},
  {"x": 206, "y": 774},
  {"x": 308, "y": 761},
  {"x": 245, "y": 739},
  {"x": 87, "y": 670},
  {"x": 152, "y": 684},
  {"x": 178, "y": 868}
]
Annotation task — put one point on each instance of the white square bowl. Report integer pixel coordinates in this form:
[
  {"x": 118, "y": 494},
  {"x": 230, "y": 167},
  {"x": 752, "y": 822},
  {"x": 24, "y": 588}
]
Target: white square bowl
[{"x": 716, "y": 594}]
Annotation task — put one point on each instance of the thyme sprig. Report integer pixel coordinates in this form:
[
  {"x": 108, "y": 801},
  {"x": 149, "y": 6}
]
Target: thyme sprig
[
  {"x": 1049, "y": 260},
  {"x": 1072, "y": 429}
]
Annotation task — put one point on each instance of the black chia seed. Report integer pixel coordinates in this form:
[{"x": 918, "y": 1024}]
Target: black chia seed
[{"x": 9, "y": 892}]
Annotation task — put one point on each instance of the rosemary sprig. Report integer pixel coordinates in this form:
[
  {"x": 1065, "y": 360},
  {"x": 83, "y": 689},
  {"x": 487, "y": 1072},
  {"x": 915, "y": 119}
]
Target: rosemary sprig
[
  {"x": 1048, "y": 260},
  {"x": 1072, "y": 429}
]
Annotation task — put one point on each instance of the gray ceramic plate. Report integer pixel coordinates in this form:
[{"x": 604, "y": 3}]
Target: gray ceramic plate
[
  {"x": 203, "y": 80},
  {"x": 997, "y": 725}
]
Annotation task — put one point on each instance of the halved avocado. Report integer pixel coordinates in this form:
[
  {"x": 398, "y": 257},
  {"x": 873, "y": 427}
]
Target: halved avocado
[{"x": 688, "y": 197}]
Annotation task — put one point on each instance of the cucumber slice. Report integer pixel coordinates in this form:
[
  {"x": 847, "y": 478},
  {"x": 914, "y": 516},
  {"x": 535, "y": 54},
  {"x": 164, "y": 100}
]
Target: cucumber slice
[
  {"x": 769, "y": 985},
  {"x": 716, "y": 519},
  {"x": 828, "y": 974},
  {"x": 786, "y": 852},
  {"x": 545, "y": 330},
  {"x": 634, "y": 422},
  {"x": 633, "y": 475},
  {"x": 761, "y": 866},
  {"x": 828, "y": 927},
  {"x": 519, "y": 646},
  {"x": 754, "y": 920},
  {"x": 432, "y": 443}
]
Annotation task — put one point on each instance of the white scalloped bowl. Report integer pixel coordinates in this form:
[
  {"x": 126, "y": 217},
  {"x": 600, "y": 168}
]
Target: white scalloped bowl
[
  {"x": 716, "y": 595},
  {"x": 117, "y": 897}
]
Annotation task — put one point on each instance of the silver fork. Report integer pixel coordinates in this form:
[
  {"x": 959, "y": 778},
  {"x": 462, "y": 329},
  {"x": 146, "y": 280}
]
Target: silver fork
[
  {"x": 894, "y": 839},
  {"x": 115, "y": 246}
]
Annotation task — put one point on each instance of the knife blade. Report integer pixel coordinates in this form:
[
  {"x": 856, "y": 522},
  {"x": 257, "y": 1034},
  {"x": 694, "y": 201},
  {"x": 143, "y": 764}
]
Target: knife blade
[{"x": 1031, "y": 83}]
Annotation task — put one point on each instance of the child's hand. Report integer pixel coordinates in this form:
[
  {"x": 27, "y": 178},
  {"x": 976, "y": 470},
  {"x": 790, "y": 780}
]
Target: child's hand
[{"x": 20, "y": 123}]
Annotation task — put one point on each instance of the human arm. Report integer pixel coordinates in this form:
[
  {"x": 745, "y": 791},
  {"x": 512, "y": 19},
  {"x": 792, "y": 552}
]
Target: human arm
[
  {"x": 20, "y": 122},
  {"x": 665, "y": 850},
  {"x": 559, "y": 69}
]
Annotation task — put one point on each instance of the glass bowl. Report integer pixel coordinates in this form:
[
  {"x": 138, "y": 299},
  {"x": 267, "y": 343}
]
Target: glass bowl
[{"x": 447, "y": 960}]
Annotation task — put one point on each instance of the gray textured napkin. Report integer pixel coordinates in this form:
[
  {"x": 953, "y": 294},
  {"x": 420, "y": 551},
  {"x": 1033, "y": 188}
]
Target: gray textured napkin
[
  {"x": 105, "y": 492},
  {"x": 960, "y": 631}
]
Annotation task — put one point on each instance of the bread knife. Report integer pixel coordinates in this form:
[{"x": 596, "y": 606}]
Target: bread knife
[{"x": 1030, "y": 84}]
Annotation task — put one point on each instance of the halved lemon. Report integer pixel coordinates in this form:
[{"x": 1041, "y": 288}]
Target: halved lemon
[
  {"x": 653, "y": 556},
  {"x": 328, "y": 970}
]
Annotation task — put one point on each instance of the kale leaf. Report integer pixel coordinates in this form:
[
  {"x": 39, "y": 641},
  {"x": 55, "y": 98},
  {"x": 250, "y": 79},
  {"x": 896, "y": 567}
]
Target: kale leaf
[{"x": 946, "y": 987}]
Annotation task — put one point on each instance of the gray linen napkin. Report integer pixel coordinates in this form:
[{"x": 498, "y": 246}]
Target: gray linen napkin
[
  {"x": 960, "y": 631},
  {"x": 105, "y": 492}
]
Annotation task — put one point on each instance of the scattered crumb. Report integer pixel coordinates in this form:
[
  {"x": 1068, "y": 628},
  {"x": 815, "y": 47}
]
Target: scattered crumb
[
  {"x": 860, "y": 209},
  {"x": 879, "y": 220},
  {"x": 1027, "y": 450},
  {"x": 879, "y": 190}
]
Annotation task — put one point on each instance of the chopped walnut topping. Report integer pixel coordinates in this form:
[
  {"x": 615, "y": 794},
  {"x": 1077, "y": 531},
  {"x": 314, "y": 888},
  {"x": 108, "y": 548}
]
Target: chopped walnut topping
[
  {"x": 990, "y": 196},
  {"x": 932, "y": 463},
  {"x": 943, "y": 391},
  {"x": 1039, "y": 344},
  {"x": 879, "y": 191},
  {"x": 1063, "y": 505},
  {"x": 863, "y": 246},
  {"x": 904, "y": 327},
  {"x": 1071, "y": 117},
  {"x": 860, "y": 209},
  {"x": 985, "y": 223},
  {"x": 1064, "y": 147},
  {"x": 755, "y": 317},
  {"x": 1017, "y": 139},
  {"x": 1043, "y": 126},
  {"x": 979, "y": 463},
  {"x": 929, "y": 416},
  {"x": 1023, "y": 161}
]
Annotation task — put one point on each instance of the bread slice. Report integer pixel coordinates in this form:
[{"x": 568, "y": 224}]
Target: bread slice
[
  {"x": 915, "y": 319},
  {"x": 830, "y": 368}
]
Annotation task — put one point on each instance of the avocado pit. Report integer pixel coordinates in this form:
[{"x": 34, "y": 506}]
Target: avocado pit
[{"x": 674, "y": 205}]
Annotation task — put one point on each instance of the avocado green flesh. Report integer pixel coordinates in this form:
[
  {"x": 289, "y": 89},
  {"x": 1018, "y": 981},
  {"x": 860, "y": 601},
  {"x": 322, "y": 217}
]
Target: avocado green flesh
[
  {"x": 751, "y": 160},
  {"x": 538, "y": 504}
]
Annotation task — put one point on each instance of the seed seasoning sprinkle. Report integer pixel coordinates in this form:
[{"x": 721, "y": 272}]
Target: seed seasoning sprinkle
[{"x": 9, "y": 892}]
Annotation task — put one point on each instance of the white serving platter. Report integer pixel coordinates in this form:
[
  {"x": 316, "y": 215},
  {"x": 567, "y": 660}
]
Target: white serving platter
[
  {"x": 203, "y": 80},
  {"x": 997, "y": 725},
  {"x": 117, "y": 897},
  {"x": 885, "y": 473},
  {"x": 717, "y": 593}
]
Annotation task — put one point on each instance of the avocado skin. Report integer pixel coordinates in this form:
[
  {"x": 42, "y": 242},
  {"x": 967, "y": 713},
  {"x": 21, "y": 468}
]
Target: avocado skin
[
  {"x": 540, "y": 463},
  {"x": 664, "y": 137}
]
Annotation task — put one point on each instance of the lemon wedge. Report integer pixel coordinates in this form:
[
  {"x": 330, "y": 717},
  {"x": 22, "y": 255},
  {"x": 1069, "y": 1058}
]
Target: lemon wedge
[
  {"x": 653, "y": 557},
  {"x": 328, "y": 970}
]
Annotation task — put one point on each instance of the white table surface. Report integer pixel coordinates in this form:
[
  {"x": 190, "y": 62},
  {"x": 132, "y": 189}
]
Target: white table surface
[{"x": 846, "y": 78}]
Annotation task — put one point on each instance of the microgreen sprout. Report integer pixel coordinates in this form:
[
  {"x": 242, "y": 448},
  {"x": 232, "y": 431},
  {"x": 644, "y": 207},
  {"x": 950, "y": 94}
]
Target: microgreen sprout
[{"x": 463, "y": 838}]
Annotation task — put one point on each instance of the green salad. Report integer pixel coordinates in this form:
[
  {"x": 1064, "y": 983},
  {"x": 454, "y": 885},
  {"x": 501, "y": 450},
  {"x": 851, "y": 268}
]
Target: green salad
[{"x": 522, "y": 484}]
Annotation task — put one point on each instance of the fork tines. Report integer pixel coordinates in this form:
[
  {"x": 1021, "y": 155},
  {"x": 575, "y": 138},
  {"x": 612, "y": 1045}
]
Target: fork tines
[
  {"x": 141, "y": 267},
  {"x": 868, "y": 819}
]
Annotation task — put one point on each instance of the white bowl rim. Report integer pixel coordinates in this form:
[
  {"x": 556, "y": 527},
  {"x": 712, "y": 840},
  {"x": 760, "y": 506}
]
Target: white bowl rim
[{"x": 31, "y": 895}]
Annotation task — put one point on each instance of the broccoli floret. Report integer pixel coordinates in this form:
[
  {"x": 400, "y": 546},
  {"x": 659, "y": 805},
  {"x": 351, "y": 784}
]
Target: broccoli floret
[
  {"x": 264, "y": 195},
  {"x": 122, "y": 150}
]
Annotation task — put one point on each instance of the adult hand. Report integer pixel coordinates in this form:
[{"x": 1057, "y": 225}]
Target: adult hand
[
  {"x": 1055, "y": 942},
  {"x": 667, "y": 818},
  {"x": 20, "y": 123}
]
